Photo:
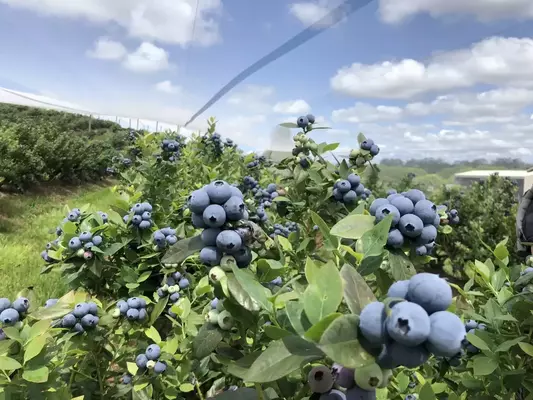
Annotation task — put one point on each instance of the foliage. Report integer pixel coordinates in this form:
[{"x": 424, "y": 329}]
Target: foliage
[
  {"x": 41, "y": 145},
  {"x": 255, "y": 332}
]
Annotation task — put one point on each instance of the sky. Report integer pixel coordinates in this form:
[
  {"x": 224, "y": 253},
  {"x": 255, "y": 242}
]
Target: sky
[{"x": 451, "y": 79}]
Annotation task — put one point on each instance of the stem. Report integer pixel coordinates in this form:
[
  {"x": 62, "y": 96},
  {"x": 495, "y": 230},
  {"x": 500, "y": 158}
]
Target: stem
[
  {"x": 260, "y": 393},
  {"x": 198, "y": 390}
]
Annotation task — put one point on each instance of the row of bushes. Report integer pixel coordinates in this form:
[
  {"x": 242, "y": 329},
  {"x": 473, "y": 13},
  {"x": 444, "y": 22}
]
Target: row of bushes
[{"x": 42, "y": 145}]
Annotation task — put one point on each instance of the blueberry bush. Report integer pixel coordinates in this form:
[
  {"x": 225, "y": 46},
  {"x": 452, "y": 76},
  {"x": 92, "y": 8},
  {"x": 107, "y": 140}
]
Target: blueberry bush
[{"x": 219, "y": 275}]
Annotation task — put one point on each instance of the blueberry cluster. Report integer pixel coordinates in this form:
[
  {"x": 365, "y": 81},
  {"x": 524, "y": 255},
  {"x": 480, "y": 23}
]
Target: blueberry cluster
[
  {"x": 258, "y": 160},
  {"x": 218, "y": 316},
  {"x": 132, "y": 135},
  {"x": 264, "y": 197},
  {"x": 275, "y": 285},
  {"x": 134, "y": 309},
  {"x": 126, "y": 162},
  {"x": 366, "y": 152},
  {"x": 215, "y": 142},
  {"x": 285, "y": 231},
  {"x": 164, "y": 237},
  {"x": 110, "y": 171},
  {"x": 150, "y": 360},
  {"x": 351, "y": 384},
  {"x": 453, "y": 217},
  {"x": 214, "y": 208},
  {"x": 349, "y": 190},
  {"x": 142, "y": 216},
  {"x": 83, "y": 317},
  {"x": 229, "y": 143},
  {"x": 416, "y": 325},
  {"x": 415, "y": 220},
  {"x": 73, "y": 216},
  {"x": 171, "y": 149},
  {"x": 11, "y": 313}
]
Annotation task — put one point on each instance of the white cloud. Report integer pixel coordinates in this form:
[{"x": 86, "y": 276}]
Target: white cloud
[
  {"x": 169, "y": 21},
  {"x": 147, "y": 58},
  {"x": 319, "y": 12},
  {"x": 363, "y": 112},
  {"x": 107, "y": 49},
  {"x": 167, "y": 87},
  {"x": 493, "y": 61},
  {"x": 292, "y": 107},
  {"x": 254, "y": 98},
  {"x": 394, "y": 11}
]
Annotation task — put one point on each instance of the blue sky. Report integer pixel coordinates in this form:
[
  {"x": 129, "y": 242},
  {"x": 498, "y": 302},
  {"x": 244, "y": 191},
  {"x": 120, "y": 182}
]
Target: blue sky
[{"x": 442, "y": 78}]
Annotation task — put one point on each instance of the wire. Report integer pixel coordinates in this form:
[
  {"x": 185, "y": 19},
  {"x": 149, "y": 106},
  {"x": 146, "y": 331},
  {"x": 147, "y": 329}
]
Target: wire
[{"x": 346, "y": 8}]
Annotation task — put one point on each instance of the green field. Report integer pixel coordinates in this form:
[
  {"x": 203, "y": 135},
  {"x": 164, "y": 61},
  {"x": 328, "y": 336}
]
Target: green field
[{"x": 27, "y": 223}]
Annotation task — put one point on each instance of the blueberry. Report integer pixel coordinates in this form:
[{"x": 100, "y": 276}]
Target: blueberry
[
  {"x": 428, "y": 235},
  {"x": 123, "y": 306},
  {"x": 302, "y": 122},
  {"x": 50, "y": 303},
  {"x": 4, "y": 304},
  {"x": 320, "y": 379},
  {"x": 174, "y": 297},
  {"x": 146, "y": 216},
  {"x": 310, "y": 118},
  {"x": 136, "y": 220},
  {"x": 22, "y": 305},
  {"x": 134, "y": 302},
  {"x": 183, "y": 283},
  {"x": 160, "y": 367},
  {"x": 354, "y": 180},
  {"x": 93, "y": 308},
  {"x": 210, "y": 255},
  {"x": 391, "y": 191},
  {"x": 9, "y": 316},
  {"x": 403, "y": 204},
  {"x": 145, "y": 225},
  {"x": 198, "y": 221},
  {"x": 168, "y": 231},
  {"x": 415, "y": 195},
  {"x": 410, "y": 225},
  {"x": 277, "y": 282},
  {"x": 235, "y": 192},
  {"x": 72, "y": 216},
  {"x": 430, "y": 291},
  {"x": 229, "y": 241},
  {"x": 176, "y": 275},
  {"x": 89, "y": 321},
  {"x": 426, "y": 211},
  {"x": 141, "y": 361},
  {"x": 386, "y": 210},
  {"x": 88, "y": 245},
  {"x": 69, "y": 321},
  {"x": 395, "y": 354},
  {"x": 219, "y": 191},
  {"x": 372, "y": 323},
  {"x": 446, "y": 334},
  {"x": 366, "y": 144},
  {"x": 408, "y": 324},
  {"x": 86, "y": 236},
  {"x": 74, "y": 243},
  {"x": 138, "y": 209},
  {"x": 78, "y": 328},
  {"x": 209, "y": 236},
  {"x": 126, "y": 379},
  {"x": 360, "y": 189},
  {"x": 153, "y": 352},
  {"x": 356, "y": 393},
  {"x": 374, "y": 150},
  {"x": 344, "y": 377},
  {"x": 395, "y": 239},
  {"x": 350, "y": 197},
  {"x": 132, "y": 314},
  {"x": 398, "y": 289},
  {"x": 171, "y": 240},
  {"x": 225, "y": 320},
  {"x": 471, "y": 325},
  {"x": 97, "y": 240},
  {"x": 421, "y": 251},
  {"x": 243, "y": 257},
  {"x": 376, "y": 204},
  {"x": 142, "y": 314},
  {"x": 234, "y": 208},
  {"x": 81, "y": 309},
  {"x": 214, "y": 216},
  {"x": 214, "y": 303},
  {"x": 343, "y": 186}
]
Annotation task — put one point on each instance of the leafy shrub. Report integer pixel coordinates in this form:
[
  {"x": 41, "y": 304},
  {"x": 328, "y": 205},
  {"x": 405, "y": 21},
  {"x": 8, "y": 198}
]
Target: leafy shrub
[{"x": 304, "y": 317}]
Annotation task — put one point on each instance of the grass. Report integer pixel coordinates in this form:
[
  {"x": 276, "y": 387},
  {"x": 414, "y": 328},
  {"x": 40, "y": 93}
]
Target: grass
[{"x": 27, "y": 223}]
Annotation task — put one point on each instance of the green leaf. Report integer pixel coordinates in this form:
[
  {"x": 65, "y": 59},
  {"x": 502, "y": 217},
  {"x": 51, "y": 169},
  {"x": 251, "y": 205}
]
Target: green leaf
[
  {"x": 484, "y": 366},
  {"x": 186, "y": 387},
  {"x": 344, "y": 169},
  {"x": 275, "y": 333},
  {"x": 477, "y": 341},
  {"x": 340, "y": 343},
  {"x": 153, "y": 334},
  {"x": 400, "y": 266},
  {"x": 353, "y": 226},
  {"x": 426, "y": 393},
  {"x": 324, "y": 296},
  {"x": 483, "y": 270},
  {"x": 255, "y": 290},
  {"x": 505, "y": 346},
  {"x": 331, "y": 241},
  {"x": 171, "y": 345},
  {"x": 206, "y": 341},
  {"x": 526, "y": 348},
  {"x": 58, "y": 310},
  {"x": 403, "y": 381},
  {"x": 158, "y": 309},
  {"x": 289, "y": 125},
  {"x": 281, "y": 358},
  {"x": 329, "y": 146},
  {"x": 183, "y": 249},
  {"x": 239, "y": 394},
  {"x": 297, "y": 318},
  {"x": 8, "y": 364},
  {"x": 132, "y": 368},
  {"x": 144, "y": 276},
  {"x": 38, "y": 375},
  {"x": 34, "y": 348},
  {"x": 240, "y": 295},
  {"x": 357, "y": 293},
  {"x": 375, "y": 239},
  {"x": 114, "y": 248},
  {"x": 315, "y": 332},
  {"x": 281, "y": 199},
  {"x": 39, "y": 328}
]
